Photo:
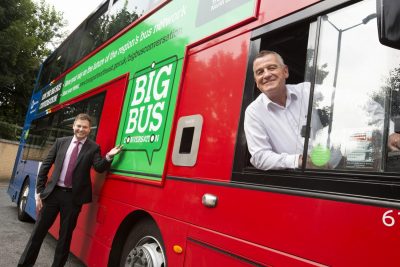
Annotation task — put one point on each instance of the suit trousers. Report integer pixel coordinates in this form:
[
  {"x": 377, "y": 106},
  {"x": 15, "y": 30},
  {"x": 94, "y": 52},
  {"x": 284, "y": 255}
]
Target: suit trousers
[{"x": 59, "y": 201}]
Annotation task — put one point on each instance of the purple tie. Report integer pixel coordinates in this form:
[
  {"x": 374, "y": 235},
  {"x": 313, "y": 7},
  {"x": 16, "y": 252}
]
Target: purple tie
[{"x": 71, "y": 165}]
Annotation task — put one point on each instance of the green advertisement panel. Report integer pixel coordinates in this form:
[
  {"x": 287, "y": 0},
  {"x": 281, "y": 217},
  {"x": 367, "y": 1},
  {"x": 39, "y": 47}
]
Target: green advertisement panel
[
  {"x": 143, "y": 130},
  {"x": 152, "y": 53}
]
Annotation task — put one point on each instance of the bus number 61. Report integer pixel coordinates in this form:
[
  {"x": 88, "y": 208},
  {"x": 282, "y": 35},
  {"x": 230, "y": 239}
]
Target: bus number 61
[{"x": 388, "y": 219}]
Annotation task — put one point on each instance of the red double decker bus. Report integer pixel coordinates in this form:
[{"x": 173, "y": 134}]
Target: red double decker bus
[{"x": 171, "y": 80}]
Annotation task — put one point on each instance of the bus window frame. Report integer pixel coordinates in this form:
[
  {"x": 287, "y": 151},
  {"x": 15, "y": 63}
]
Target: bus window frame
[{"x": 372, "y": 188}]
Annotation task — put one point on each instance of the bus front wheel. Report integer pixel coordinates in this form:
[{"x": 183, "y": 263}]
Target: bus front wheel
[
  {"x": 144, "y": 246},
  {"x": 23, "y": 199}
]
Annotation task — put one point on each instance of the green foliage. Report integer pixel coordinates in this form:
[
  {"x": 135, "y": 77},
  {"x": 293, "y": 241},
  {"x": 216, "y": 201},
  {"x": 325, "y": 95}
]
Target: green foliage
[
  {"x": 10, "y": 131},
  {"x": 110, "y": 24},
  {"x": 394, "y": 83},
  {"x": 26, "y": 31},
  {"x": 115, "y": 23}
]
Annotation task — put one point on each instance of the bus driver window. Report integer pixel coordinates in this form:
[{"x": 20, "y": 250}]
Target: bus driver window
[{"x": 355, "y": 104}]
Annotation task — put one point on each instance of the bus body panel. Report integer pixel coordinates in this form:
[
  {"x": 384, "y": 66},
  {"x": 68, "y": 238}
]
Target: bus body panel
[
  {"x": 18, "y": 177},
  {"x": 247, "y": 219},
  {"x": 314, "y": 230},
  {"x": 271, "y": 10},
  {"x": 213, "y": 87}
]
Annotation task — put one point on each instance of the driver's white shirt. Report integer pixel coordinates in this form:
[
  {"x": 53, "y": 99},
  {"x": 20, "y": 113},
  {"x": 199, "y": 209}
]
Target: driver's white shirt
[{"x": 273, "y": 132}]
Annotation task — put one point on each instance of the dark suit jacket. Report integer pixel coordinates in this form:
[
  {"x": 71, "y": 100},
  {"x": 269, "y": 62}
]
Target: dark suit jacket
[{"x": 81, "y": 183}]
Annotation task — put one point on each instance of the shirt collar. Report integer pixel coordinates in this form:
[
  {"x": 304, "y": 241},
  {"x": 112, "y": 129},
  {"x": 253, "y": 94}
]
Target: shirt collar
[
  {"x": 291, "y": 95},
  {"x": 74, "y": 139}
]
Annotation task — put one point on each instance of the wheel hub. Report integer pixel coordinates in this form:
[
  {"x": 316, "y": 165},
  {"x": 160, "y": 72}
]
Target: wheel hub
[
  {"x": 24, "y": 197},
  {"x": 146, "y": 255}
]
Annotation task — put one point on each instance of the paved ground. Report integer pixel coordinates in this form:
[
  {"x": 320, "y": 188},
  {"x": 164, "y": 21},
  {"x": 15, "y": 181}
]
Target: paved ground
[{"x": 14, "y": 235}]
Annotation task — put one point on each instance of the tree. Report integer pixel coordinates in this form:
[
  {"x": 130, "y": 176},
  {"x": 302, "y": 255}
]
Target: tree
[
  {"x": 390, "y": 89},
  {"x": 110, "y": 24},
  {"x": 394, "y": 84},
  {"x": 26, "y": 30},
  {"x": 321, "y": 72}
]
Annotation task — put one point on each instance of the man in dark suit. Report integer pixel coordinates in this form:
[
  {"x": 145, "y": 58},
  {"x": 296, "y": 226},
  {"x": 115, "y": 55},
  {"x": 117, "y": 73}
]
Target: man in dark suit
[{"x": 67, "y": 190}]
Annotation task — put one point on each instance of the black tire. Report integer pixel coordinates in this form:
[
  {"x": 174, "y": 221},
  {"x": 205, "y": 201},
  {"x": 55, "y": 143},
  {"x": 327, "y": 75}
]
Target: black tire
[
  {"x": 144, "y": 246},
  {"x": 22, "y": 201}
]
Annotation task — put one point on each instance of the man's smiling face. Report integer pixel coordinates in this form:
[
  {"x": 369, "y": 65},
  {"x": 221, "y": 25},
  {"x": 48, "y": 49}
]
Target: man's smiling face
[
  {"x": 81, "y": 129},
  {"x": 270, "y": 75}
]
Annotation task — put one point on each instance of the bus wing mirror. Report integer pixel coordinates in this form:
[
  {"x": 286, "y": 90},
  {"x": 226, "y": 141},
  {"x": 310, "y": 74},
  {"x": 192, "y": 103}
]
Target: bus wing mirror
[{"x": 388, "y": 15}]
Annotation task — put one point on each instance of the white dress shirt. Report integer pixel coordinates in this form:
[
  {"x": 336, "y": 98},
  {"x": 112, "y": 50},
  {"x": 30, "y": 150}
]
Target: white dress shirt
[{"x": 273, "y": 132}]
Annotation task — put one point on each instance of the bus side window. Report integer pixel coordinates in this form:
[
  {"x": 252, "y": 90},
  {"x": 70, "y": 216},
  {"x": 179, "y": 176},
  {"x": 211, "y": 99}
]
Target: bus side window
[
  {"x": 44, "y": 131},
  {"x": 357, "y": 95}
]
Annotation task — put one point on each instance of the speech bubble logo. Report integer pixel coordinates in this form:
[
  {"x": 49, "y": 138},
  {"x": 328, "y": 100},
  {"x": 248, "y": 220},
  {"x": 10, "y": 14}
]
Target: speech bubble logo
[{"x": 149, "y": 103}]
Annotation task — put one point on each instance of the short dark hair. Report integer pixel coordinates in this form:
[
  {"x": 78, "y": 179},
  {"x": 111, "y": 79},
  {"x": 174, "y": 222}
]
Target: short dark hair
[
  {"x": 264, "y": 53},
  {"x": 84, "y": 117}
]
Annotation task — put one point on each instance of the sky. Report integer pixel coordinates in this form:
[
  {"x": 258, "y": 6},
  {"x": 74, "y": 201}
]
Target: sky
[{"x": 74, "y": 11}]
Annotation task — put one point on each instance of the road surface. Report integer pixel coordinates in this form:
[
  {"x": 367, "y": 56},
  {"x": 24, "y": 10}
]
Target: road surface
[{"x": 14, "y": 235}]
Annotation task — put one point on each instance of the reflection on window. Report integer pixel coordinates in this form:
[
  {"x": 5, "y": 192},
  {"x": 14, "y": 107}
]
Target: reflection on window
[
  {"x": 92, "y": 33},
  {"x": 351, "y": 94},
  {"x": 44, "y": 131},
  {"x": 124, "y": 12}
]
